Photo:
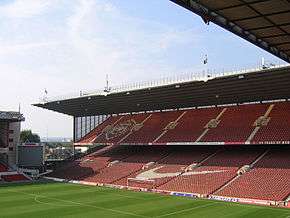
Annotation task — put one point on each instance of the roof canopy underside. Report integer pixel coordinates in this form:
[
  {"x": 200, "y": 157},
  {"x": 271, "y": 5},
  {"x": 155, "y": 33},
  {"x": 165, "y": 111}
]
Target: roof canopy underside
[
  {"x": 265, "y": 23},
  {"x": 271, "y": 84}
]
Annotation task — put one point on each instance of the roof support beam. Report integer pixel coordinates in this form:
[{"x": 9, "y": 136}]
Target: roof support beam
[
  {"x": 266, "y": 17},
  {"x": 266, "y": 27},
  {"x": 241, "y": 5},
  {"x": 274, "y": 36},
  {"x": 260, "y": 15},
  {"x": 282, "y": 43}
]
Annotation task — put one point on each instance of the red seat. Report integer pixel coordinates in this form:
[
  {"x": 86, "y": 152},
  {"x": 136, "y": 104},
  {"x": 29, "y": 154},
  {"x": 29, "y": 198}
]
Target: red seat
[
  {"x": 14, "y": 178},
  {"x": 277, "y": 130}
]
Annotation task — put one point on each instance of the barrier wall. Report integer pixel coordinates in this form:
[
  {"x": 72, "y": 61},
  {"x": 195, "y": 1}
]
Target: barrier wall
[{"x": 180, "y": 194}]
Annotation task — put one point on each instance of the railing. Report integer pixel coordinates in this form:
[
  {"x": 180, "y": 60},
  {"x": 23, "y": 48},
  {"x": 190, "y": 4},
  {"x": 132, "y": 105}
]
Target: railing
[{"x": 181, "y": 78}]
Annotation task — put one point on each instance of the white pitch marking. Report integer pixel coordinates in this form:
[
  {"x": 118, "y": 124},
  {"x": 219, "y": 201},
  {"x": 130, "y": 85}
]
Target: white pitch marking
[
  {"x": 52, "y": 204},
  {"x": 186, "y": 210},
  {"x": 85, "y": 205}
]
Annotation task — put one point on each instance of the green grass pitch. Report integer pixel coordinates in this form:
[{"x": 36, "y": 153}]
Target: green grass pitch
[{"x": 68, "y": 200}]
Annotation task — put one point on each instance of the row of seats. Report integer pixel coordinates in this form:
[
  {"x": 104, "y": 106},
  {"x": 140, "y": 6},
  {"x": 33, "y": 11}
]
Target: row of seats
[
  {"x": 204, "y": 170},
  {"x": 91, "y": 136},
  {"x": 10, "y": 177},
  {"x": 215, "y": 172},
  {"x": 3, "y": 168},
  {"x": 14, "y": 178},
  {"x": 175, "y": 162},
  {"x": 233, "y": 124},
  {"x": 236, "y": 124},
  {"x": 91, "y": 164},
  {"x": 269, "y": 180},
  {"x": 278, "y": 126}
]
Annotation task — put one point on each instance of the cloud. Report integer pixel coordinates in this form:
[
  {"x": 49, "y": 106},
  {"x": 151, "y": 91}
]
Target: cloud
[
  {"x": 25, "y": 8},
  {"x": 73, "y": 47},
  {"x": 113, "y": 42}
]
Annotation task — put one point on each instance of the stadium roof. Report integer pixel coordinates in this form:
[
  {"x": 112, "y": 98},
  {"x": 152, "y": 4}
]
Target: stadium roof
[
  {"x": 11, "y": 116},
  {"x": 261, "y": 85},
  {"x": 265, "y": 23}
]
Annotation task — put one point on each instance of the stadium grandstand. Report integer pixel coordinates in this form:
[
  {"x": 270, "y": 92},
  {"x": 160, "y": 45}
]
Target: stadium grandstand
[
  {"x": 217, "y": 136},
  {"x": 214, "y": 137}
]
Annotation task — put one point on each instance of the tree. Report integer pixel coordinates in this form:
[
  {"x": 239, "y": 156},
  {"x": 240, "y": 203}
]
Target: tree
[{"x": 28, "y": 136}]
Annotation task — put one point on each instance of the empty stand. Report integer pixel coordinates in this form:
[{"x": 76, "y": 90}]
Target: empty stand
[
  {"x": 3, "y": 168},
  {"x": 91, "y": 137},
  {"x": 268, "y": 180},
  {"x": 236, "y": 124},
  {"x": 91, "y": 164},
  {"x": 126, "y": 167},
  {"x": 277, "y": 129},
  {"x": 169, "y": 167},
  {"x": 123, "y": 128},
  {"x": 192, "y": 169},
  {"x": 213, "y": 173},
  {"x": 256, "y": 123},
  {"x": 191, "y": 125},
  {"x": 14, "y": 178},
  {"x": 153, "y": 128}
]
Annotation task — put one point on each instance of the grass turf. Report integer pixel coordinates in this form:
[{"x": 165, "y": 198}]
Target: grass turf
[{"x": 68, "y": 200}]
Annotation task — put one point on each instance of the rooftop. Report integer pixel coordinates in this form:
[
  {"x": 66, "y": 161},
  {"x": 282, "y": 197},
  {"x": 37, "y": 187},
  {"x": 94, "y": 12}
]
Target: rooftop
[{"x": 262, "y": 84}]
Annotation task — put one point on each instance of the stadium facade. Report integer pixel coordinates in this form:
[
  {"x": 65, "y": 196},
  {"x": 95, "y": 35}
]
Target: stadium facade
[{"x": 10, "y": 125}]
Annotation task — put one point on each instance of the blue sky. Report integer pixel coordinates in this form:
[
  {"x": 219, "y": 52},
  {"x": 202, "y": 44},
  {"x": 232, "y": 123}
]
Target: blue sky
[{"x": 69, "y": 45}]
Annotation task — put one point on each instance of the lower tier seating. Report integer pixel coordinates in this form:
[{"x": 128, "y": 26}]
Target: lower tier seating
[
  {"x": 268, "y": 180},
  {"x": 14, "y": 178},
  {"x": 125, "y": 167},
  {"x": 3, "y": 168},
  {"x": 173, "y": 164},
  {"x": 91, "y": 164},
  {"x": 213, "y": 173},
  {"x": 193, "y": 169}
]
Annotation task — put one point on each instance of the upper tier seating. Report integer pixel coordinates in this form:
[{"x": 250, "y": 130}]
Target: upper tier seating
[
  {"x": 191, "y": 125},
  {"x": 121, "y": 129},
  {"x": 230, "y": 125},
  {"x": 236, "y": 124},
  {"x": 269, "y": 180},
  {"x": 278, "y": 128},
  {"x": 91, "y": 136},
  {"x": 153, "y": 127}
]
